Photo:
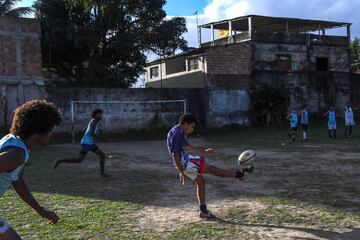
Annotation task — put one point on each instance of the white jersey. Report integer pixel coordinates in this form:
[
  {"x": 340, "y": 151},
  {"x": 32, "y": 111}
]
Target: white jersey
[
  {"x": 6, "y": 178},
  {"x": 349, "y": 117}
]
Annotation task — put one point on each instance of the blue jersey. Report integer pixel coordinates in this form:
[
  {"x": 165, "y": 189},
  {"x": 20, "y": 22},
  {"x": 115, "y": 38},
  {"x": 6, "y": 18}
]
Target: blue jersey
[
  {"x": 87, "y": 138},
  {"x": 6, "y": 178},
  {"x": 176, "y": 140},
  {"x": 293, "y": 120},
  {"x": 305, "y": 118},
  {"x": 332, "y": 117}
]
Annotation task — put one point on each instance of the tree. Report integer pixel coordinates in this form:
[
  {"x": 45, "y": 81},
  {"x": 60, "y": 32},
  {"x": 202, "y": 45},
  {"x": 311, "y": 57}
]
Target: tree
[
  {"x": 355, "y": 53},
  {"x": 102, "y": 43},
  {"x": 7, "y": 8},
  {"x": 355, "y": 48},
  {"x": 270, "y": 103}
]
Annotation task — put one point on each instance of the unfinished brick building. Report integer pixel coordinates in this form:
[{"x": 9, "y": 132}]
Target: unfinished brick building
[
  {"x": 20, "y": 64},
  {"x": 250, "y": 50}
]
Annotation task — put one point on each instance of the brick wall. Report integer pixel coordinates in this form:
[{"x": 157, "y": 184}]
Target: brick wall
[
  {"x": 20, "y": 65},
  {"x": 230, "y": 59},
  {"x": 20, "y": 49},
  {"x": 229, "y": 66}
]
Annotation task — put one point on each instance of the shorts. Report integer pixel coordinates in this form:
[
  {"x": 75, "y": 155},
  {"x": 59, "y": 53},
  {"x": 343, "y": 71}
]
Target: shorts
[
  {"x": 85, "y": 148},
  {"x": 4, "y": 226},
  {"x": 305, "y": 126},
  {"x": 193, "y": 165},
  {"x": 332, "y": 126},
  {"x": 349, "y": 123},
  {"x": 293, "y": 128}
]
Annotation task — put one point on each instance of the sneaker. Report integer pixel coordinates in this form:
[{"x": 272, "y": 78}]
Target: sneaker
[
  {"x": 207, "y": 215},
  {"x": 244, "y": 175}
]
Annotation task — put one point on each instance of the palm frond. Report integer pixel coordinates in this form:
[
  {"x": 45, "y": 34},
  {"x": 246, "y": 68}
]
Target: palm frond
[{"x": 18, "y": 12}]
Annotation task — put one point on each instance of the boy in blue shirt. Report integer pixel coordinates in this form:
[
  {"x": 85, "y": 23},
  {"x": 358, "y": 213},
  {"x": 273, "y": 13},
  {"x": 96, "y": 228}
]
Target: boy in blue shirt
[
  {"x": 32, "y": 125},
  {"x": 293, "y": 118},
  {"x": 331, "y": 122},
  {"x": 193, "y": 166},
  {"x": 88, "y": 144}
]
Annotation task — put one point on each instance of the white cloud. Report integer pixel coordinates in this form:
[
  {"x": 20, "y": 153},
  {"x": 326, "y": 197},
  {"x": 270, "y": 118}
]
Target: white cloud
[{"x": 333, "y": 10}]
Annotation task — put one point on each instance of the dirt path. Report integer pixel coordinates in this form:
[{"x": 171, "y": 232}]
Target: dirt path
[{"x": 302, "y": 174}]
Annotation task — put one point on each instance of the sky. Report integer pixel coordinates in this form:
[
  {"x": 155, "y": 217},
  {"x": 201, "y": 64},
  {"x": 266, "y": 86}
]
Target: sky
[{"x": 214, "y": 10}]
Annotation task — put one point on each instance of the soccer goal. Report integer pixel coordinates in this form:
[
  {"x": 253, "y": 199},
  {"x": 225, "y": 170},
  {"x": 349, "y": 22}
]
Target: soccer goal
[{"x": 120, "y": 116}]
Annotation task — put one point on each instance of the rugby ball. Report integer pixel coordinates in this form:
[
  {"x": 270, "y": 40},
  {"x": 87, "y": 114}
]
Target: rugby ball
[{"x": 247, "y": 158}]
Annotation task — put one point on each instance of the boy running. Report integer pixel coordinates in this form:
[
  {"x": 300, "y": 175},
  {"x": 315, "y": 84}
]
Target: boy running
[
  {"x": 193, "y": 166},
  {"x": 305, "y": 122},
  {"x": 88, "y": 144},
  {"x": 293, "y": 118},
  {"x": 32, "y": 124},
  {"x": 349, "y": 120},
  {"x": 331, "y": 122}
]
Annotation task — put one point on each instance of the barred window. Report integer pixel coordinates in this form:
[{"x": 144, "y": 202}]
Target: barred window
[
  {"x": 154, "y": 72},
  {"x": 193, "y": 64}
]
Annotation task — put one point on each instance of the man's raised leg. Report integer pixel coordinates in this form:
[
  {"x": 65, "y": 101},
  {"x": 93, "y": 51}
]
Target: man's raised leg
[{"x": 70, "y": 160}]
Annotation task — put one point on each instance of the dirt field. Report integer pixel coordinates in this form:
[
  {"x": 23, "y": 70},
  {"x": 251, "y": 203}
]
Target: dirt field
[{"x": 298, "y": 191}]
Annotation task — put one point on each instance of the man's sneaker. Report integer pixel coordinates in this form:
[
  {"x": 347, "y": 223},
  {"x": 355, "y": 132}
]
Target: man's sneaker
[
  {"x": 207, "y": 215},
  {"x": 243, "y": 175}
]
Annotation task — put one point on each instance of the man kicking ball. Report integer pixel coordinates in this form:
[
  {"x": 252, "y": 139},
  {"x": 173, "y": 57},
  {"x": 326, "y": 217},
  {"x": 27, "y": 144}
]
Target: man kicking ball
[
  {"x": 32, "y": 125},
  {"x": 193, "y": 166},
  {"x": 88, "y": 144}
]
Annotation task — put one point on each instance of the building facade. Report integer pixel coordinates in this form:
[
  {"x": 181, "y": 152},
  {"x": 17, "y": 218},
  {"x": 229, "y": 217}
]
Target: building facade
[{"x": 309, "y": 57}]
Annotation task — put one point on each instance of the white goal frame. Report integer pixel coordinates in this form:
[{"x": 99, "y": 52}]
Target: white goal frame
[{"x": 73, "y": 103}]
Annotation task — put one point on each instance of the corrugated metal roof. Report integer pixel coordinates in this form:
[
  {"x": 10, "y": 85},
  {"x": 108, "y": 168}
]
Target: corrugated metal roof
[{"x": 275, "y": 24}]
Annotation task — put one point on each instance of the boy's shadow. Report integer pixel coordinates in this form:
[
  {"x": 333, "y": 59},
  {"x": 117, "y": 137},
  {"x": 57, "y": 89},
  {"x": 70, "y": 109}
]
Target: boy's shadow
[{"x": 354, "y": 234}]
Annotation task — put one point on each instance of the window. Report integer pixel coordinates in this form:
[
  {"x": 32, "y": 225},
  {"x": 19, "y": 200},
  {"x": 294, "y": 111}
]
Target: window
[
  {"x": 322, "y": 64},
  {"x": 193, "y": 64},
  {"x": 154, "y": 72},
  {"x": 283, "y": 63}
]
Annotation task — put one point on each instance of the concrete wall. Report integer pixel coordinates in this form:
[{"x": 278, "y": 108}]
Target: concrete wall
[
  {"x": 305, "y": 84},
  {"x": 228, "y": 107},
  {"x": 123, "y": 117},
  {"x": 193, "y": 79}
]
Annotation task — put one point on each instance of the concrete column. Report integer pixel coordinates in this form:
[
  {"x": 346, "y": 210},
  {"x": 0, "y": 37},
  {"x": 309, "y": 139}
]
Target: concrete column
[
  {"x": 212, "y": 35},
  {"x": 18, "y": 39},
  {"x": 348, "y": 30},
  {"x": 199, "y": 36},
  {"x": 250, "y": 27},
  {"x": 230, "y": 32}
]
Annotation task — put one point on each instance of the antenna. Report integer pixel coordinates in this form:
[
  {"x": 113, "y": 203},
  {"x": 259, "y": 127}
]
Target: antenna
[{"x": 197, "y": 19}]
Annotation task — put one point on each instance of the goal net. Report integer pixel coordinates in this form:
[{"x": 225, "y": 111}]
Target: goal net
[{"x": 121, "y": 116}]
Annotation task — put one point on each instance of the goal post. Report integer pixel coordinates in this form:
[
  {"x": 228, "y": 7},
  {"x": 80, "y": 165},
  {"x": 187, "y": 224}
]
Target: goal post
[{"x": 152, "y": 106}]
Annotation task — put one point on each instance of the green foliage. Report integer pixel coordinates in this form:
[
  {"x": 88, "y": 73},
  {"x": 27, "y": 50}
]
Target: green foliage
[
  {"x": 7, "y": 8},
  {"x": 270, "y": 103},
  {"x": 104, "y": 43},
  {"x": 355, "y": 54}
]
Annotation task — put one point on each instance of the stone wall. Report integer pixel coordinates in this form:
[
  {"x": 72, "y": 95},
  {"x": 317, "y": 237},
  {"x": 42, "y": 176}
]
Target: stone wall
[{"x": 294, "y": 66}]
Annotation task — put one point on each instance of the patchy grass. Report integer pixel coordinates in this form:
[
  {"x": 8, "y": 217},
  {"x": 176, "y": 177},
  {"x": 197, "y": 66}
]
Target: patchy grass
[{"x": 298, "y": 191}]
